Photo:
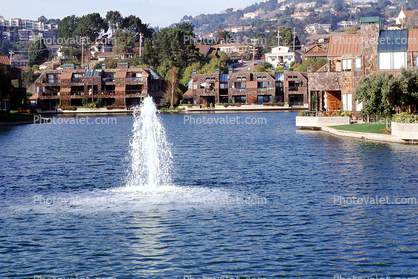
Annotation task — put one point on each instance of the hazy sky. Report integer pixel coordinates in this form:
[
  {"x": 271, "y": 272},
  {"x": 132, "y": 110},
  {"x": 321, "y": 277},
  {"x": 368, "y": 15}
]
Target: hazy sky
[{"x": 158, "y": 13}]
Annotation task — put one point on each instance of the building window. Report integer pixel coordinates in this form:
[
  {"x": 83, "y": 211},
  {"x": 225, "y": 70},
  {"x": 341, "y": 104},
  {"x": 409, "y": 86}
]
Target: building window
[
  {"x": 263, "y": 84},
  {"x": 347, "y": 100},
  {"x": 392, "y": 60},
  {"x": 357, "y": 62},
  {"x": 240, "y": 86},
  {"x": 223, "y": 86},
  {"x": 346, "y": 65},
  {"x": 138, "y": 75},
  {"x": 240, "y": 99}
]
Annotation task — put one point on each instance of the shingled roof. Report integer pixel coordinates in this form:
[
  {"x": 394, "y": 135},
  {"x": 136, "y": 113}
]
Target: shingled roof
[{"x": 4, "y": 60}]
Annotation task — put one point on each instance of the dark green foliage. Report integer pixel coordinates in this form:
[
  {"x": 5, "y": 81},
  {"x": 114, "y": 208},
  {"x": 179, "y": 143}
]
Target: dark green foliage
[
  {"x": 29, "y": 77},
  {"x": 38, "y": 53},
  {"x": 84, "y": 102},
  {"x": 170, "y": 44},
  {"x": 314, "y": 63},
  {"x": 5, "y": 83}
]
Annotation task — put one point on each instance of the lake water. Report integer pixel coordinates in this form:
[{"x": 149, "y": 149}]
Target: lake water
[{"x": 257, "y": 200}]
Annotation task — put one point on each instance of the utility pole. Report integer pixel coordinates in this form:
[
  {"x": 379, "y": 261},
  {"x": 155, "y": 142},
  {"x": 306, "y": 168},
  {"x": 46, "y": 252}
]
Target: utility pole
[
  {"x": 294, "y": 38},
  {"x": 82, "y": 52},
  {"x": 140, "y": 44},
  {"x": 11, "y": 52},
  {"x": 254, "y": 51}
]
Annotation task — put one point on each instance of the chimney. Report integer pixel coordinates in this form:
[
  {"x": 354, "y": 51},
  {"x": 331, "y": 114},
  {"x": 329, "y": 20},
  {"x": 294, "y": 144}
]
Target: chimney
[{"x": 103, "y": 66}]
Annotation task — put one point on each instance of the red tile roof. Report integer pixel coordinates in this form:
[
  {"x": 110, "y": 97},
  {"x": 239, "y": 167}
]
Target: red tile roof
[
  {"x": 4, "y": 60},
  {"x": 344, "y": 44},
  {"x": 410, "y": 13}
]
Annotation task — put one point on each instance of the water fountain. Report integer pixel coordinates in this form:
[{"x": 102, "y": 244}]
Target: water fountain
[{"x": 150, "y": 154}]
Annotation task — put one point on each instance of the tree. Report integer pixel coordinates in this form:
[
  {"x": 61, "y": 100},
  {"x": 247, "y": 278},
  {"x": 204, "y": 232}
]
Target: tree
[
  {"x": 91, "y": 26},
  {"x": 114, "y": 20},
  {"x": 29, "y": 77},
  {"x": 408, "y": 88},
  {"x": 38, "y": 53},
  {"x": 379, "y": 94},
  {"x": 67, "y": 27},
  {"x": 172, "y": 90},
  {"x": 6, "y": 85},
  {"x": 123, "y": 42},
  {"x": 42, "y": 19},
  {"x": 215, "y": 63},
  {"x": 170, "y": 44},
  {"x": 222, "y": 35},
  {"x": 314, "y": 63},
  {"x": 351, "y": 30},
  {"x": 261, "y": 68},
  {"x": 135, "y": 25}
]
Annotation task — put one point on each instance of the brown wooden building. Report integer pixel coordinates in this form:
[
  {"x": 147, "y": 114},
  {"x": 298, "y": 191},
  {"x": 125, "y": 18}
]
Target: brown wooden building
[{"x": 120, "y": 87}]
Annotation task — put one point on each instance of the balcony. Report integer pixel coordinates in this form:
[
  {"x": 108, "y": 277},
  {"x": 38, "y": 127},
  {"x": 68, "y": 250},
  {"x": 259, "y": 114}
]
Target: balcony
[
  {"x": 294, "y": 88},
  {"x": 77, "y": 80},
  {"x": 109, "y": 79},
  {"x": 133, "y": 91},
  {"x": 241, "y": 89},
  {"x": 53, "y": 80},
  {"x": 77, "y": 93},
  {"x": 262, "y": 89},
  {"x": 50, "y": 94},
  {"x": 134, "y": 79},
  {"x": 209, "y": 90},
  {"x": 112, "y": 92}
]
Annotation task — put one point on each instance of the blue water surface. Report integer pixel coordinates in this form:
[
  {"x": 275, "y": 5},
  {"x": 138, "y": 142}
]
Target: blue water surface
[{"x": 260, "y": 200}]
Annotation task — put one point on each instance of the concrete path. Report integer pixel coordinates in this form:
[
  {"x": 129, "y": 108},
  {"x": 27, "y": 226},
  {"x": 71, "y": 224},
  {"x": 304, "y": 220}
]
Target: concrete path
[{"x": 366, "y": 136}]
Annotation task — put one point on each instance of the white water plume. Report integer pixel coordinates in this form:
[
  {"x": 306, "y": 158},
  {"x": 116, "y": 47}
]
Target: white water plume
[{"x": 150, "y": 154}]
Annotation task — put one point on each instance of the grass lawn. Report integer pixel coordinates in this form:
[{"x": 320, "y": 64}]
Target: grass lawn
[
  {"x": 7, "y": 117},
  {"x": 375, "y": 128}
]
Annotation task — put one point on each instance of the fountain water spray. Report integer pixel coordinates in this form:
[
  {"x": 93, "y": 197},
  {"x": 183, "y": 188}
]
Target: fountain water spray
[{"x": 151, "y": 159}]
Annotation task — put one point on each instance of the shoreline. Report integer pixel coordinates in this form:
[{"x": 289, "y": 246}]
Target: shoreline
[
  {"x": 367, "y": 136},
  {"x": 243, "y": 108}
]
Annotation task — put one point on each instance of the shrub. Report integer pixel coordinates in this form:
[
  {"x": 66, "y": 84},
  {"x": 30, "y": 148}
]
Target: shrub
[
  {"x": 346, "y": 113},
  {"x": 73, "y": 108},
  {"x": 302, "y": 113},
  {"x": 114, "y": 107},
  {"x": 229, "y": 101},
  {"x": 405, "y": 117},
  {"x": 274, "y": 100},
  {"x": 226, "y": 105}
]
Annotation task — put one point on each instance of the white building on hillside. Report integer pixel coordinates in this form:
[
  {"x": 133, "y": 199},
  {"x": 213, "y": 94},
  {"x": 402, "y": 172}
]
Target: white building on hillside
[{"x": 282, "y": 56}]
